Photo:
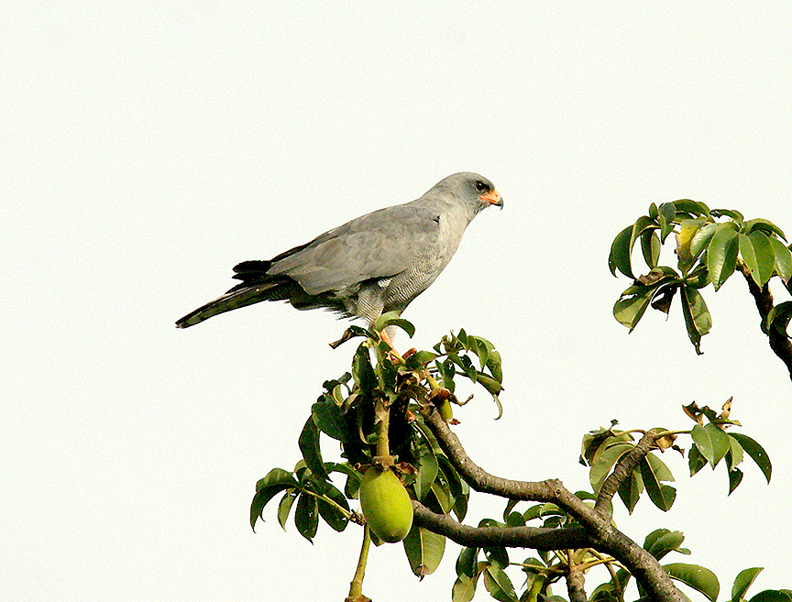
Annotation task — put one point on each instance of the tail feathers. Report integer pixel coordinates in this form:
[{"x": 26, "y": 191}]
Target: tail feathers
[
  {"x": 241, "y": 295},
  {"x": 251, "y": 270}
]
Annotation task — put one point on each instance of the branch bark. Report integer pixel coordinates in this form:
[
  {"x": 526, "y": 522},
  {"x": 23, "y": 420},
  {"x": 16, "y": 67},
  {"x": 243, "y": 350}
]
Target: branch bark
[
  {"x": 602, "y": 534},
  {"x": 622, "y": 470},
  {"x": 575, "y": 583},
  {"x": 763, "y": 298},
  {"x": 537, "y": 538}
]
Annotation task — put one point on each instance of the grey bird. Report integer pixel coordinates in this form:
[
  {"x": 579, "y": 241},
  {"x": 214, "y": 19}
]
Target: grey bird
[{"x": 376, "y": 263}]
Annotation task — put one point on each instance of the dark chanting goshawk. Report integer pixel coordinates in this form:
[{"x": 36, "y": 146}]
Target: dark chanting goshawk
[{"x": 376, "y": 263}]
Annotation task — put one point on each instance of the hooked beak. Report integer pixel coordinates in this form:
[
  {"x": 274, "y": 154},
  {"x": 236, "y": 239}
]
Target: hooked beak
[{"x": 492, "y": 198}]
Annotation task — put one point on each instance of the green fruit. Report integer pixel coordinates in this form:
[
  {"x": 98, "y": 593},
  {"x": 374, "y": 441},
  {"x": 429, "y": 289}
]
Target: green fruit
[
  {"x": 446, "y": 411},
  {"x": 386, "y": 505}
]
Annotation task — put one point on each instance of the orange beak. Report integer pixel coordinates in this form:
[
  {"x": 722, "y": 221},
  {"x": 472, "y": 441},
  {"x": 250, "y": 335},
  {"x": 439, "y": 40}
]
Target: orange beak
[{"x": 492, "y": 198}]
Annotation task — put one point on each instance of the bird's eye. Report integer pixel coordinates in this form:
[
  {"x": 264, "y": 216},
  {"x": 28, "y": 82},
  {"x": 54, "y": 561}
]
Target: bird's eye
[{"x": 481, "y": 186}]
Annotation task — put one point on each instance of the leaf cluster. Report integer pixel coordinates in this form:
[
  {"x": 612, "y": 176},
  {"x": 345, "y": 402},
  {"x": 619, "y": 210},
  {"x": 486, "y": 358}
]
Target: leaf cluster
[
  {"x": 710, "y": 246},
  {"x": 345, "y": 412}
]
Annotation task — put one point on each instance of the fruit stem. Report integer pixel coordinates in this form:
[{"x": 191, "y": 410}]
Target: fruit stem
[
  {"x": 356, "y": 585},
  {"x": 382, "y": 419}
]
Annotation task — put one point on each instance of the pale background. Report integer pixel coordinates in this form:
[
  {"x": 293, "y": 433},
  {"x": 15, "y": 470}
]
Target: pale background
[{"x": 147, "y": 147}]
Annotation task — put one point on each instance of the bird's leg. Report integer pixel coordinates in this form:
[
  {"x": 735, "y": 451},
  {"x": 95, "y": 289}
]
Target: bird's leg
[{"x": 385, "y": 337}]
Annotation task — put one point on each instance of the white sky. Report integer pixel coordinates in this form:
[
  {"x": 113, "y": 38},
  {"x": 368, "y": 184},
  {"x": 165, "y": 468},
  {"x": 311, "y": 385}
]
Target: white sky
[{"x": 148, "y": 147}]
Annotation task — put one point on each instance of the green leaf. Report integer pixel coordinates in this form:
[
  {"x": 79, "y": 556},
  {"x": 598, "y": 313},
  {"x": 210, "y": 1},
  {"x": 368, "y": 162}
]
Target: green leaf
[
  {"x": 735, "y": 455},
  {"x": 697, "y": 317},
  {"x": 271, "y": 485},
  {"x": 603, "y": 463},
  {"x": 497, "y": 556},
  {"x": 284, "y": 507},
  {"x": 735, "y": 478},
  {"x": 392, "y": 318},
  {"x": 662, "y": 541},
  {"x": 458, "y": 489},
  {"x": 499, "y": 585},
  {"x": 667, "y": 214},
  {"x": 696, "y": 208},
  {"x": 650, "y": 247},
  {"x": 653, "y": 212},
  {"x": 362, "y": 371},
  {"x": 722, "y": 254},
  {"x": 702, "y": 238},
  {"x": 418, "y": 360},
  {"x": 332, "y": 515},
  {"x": 490, "y": 384},
  {"x": 763, "y": 225},
  {"x": 731, "y": 213},
  {"x": 773, "y": 595},
  {"x": 742, "y": 582},
  {"x": 712, "y": 442},
  {"x": 306, "y": 516},
  {"x": 749, "y": 257},
  {"x": 757, "y": 453},
  {"x": 619, "y": 258},
  {"x": 464, "y": 588},
  {"x": 328, "y": 418},
  {"x": 688, "y": 228},
  {"x": 630, "y": 490},
  {"x": 309, "y": 447},
  {"x": 699, "y": 578},
  {"x": 659, "y": 468},
  {"x": 466, "y": 562},
  {"x": 662, "y": 496},
  {"x": 765, "y": 258},
  {"x": 447, "y": 372},
  {"x": 494, "y": 365},
  {"x": 696, "y": 461},
  {"x": 783, "y": 259},
  {"x": 632, "y": 304},
  {"x": 427, "y": 472},
  {"x": 605, "y": 592},
  {"x": 424, "y": 550}
]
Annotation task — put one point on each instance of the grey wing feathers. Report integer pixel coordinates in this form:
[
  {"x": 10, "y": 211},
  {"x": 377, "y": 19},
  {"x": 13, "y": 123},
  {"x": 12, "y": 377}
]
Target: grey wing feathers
[{"x": 378, "y": 245}]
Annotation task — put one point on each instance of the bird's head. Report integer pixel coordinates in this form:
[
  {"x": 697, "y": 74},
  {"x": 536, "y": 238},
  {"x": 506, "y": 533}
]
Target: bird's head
[{"x": 474, "y": 190}]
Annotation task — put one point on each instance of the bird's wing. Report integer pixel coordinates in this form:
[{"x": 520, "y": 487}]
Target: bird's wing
[{"x": 377, "y": 245}]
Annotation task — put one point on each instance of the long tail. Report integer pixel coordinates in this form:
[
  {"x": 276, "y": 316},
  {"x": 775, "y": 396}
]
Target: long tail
[
  {"x": 256, "y": 286},
  {"x": 233, "y": 299}
]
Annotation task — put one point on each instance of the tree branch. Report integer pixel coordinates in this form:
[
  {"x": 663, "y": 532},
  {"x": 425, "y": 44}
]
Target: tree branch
[
  {"x": 551, "y": 490},
  {"x": 602, "y": 534},
  {"x": 779, "y": 343},
  {"x": 537, "y": 538},
  {"x": 575, "y": 583},
  {"x": 623, "y": 469}
]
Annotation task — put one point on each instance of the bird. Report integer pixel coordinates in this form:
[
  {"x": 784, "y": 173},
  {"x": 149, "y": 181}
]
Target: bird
[{"x": 371, "y": 265}]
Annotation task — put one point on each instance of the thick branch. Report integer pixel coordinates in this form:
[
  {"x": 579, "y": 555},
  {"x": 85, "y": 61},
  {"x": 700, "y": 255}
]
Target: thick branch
[
  {"x": 623, "y": 469},
  {"x": 603, "y": 536},
  {"x": 779, "y": 343},
  {"x": 575, "y": 583},
  {"x": 551, "y": 490},
  {"x": 537, "y": 538}
]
